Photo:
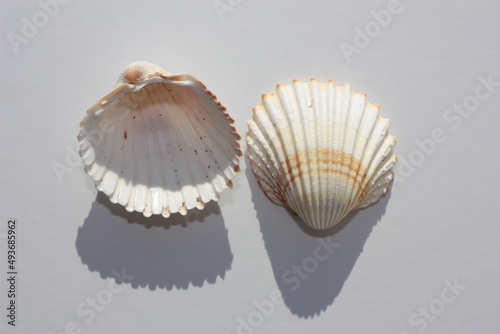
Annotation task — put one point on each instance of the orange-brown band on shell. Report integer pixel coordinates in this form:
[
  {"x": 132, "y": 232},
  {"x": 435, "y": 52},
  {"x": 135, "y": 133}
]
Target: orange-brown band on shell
[{"x": 317, "y": 156}]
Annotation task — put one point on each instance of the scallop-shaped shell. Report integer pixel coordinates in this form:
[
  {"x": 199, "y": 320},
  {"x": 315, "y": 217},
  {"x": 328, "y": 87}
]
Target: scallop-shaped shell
[
  {"x": 159, "y": 143},
  {"x": 321, "y": 150}
]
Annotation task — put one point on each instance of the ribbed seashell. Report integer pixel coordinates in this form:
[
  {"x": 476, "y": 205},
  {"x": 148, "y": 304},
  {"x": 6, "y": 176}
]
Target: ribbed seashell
[
  {"x": 159, "y": 143},
  {"x": 320, "y": 149}
]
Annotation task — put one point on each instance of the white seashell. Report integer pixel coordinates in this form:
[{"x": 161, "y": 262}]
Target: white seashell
[
  {"x": 159, "y": 143},
  {"x": 321, "y": 150}
]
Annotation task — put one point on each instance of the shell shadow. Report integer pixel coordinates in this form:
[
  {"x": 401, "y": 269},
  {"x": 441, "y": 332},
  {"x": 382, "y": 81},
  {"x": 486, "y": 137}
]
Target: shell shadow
[
  {"x": 157, "y": 252},
  {"x": 310, "y": 266}
]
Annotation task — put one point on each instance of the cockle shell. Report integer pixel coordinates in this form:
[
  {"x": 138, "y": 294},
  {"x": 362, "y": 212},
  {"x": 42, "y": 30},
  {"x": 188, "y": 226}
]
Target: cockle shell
[
  {"x": 320, "y": 149},
  {"x": 159, "y": 143}
]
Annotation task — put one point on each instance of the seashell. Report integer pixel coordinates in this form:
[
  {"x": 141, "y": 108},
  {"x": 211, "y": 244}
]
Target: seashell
[
  {"x": 321, "y": 150},
  {"x": 159, "y": 143}
]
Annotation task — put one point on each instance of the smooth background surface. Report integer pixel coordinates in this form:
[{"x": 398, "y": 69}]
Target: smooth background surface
[{"x": 204, "y": 274}]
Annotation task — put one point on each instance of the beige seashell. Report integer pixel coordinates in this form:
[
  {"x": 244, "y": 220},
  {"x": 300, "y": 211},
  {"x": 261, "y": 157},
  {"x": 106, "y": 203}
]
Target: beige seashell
[
  {"x": 159, "y": 143},
  {"x": 321, "y": 150}
]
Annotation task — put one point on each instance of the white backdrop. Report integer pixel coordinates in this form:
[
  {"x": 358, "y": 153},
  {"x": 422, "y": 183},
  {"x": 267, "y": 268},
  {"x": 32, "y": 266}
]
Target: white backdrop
[{"x": 422, "y": 260}]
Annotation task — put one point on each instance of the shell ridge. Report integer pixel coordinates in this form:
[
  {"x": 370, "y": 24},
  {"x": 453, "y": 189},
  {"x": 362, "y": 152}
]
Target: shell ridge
[
  {"x": 273, "y": 111},
  {"x": 270, "y": 189},
  {"x": 343, "y": 109},
  {"x": 301, "y": 93},
  {"x": 330, "y": 112},
  {"x": 171, "y": 180},
  {"x": 380, "y": 159},
  {"x": 298, "y": 131},
  {"x": 380, "y": 149},
  {"x": 373, "y": 145},
  {"x": 308, "y": 111},
  {"x": 264, "y": 146},
  {"x": 93, "y": 168},
  {"x": 365, "y": 131},
  {"x": 106, "y": 182},
  {"x": 116, "y": 193},
  {"x": 378, "y": 190},
  {"x": 154, "y": 150},
  {"x": 130, "y": 150},
  {"x": 317, "y": 112},
  {"x": 140, "y": 156},
  {"x": 159, "y": 196},
  {"x": 256, "y": 160},
  {"x": 166, "y": 164},
  {"x": 264, "y": 157},
  {"x": 267, "y": 147},
  {"x": 337, "y": 146},
  {"x": 322, "y": 140},
  {"x": 319, "y": 103},
  {"x": 127, "y": 160},
  {"x": 269, "y": 127},
  {"x": 275, "y": 105},
  {"x": 355, "y": 114},
  {"x": 383, "y": 160}
]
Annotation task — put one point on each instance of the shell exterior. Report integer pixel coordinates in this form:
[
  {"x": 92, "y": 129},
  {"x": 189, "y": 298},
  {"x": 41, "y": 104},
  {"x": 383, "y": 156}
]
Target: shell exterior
[
  {"x": 159, "y": 143},
  {"x": 321, "y": 150}
]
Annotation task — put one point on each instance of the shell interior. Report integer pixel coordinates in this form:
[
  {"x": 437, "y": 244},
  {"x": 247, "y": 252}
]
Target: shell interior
[{"x": 159, "y": 143}]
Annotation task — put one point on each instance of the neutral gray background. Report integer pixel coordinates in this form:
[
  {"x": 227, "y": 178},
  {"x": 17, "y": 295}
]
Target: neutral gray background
[{"x": 439, "y": 223}]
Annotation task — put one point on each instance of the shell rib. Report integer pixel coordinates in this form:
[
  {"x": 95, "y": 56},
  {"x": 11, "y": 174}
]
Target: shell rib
[
  {"x": 320, "y": 149},
  {"x": 159, "y": 143}
]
